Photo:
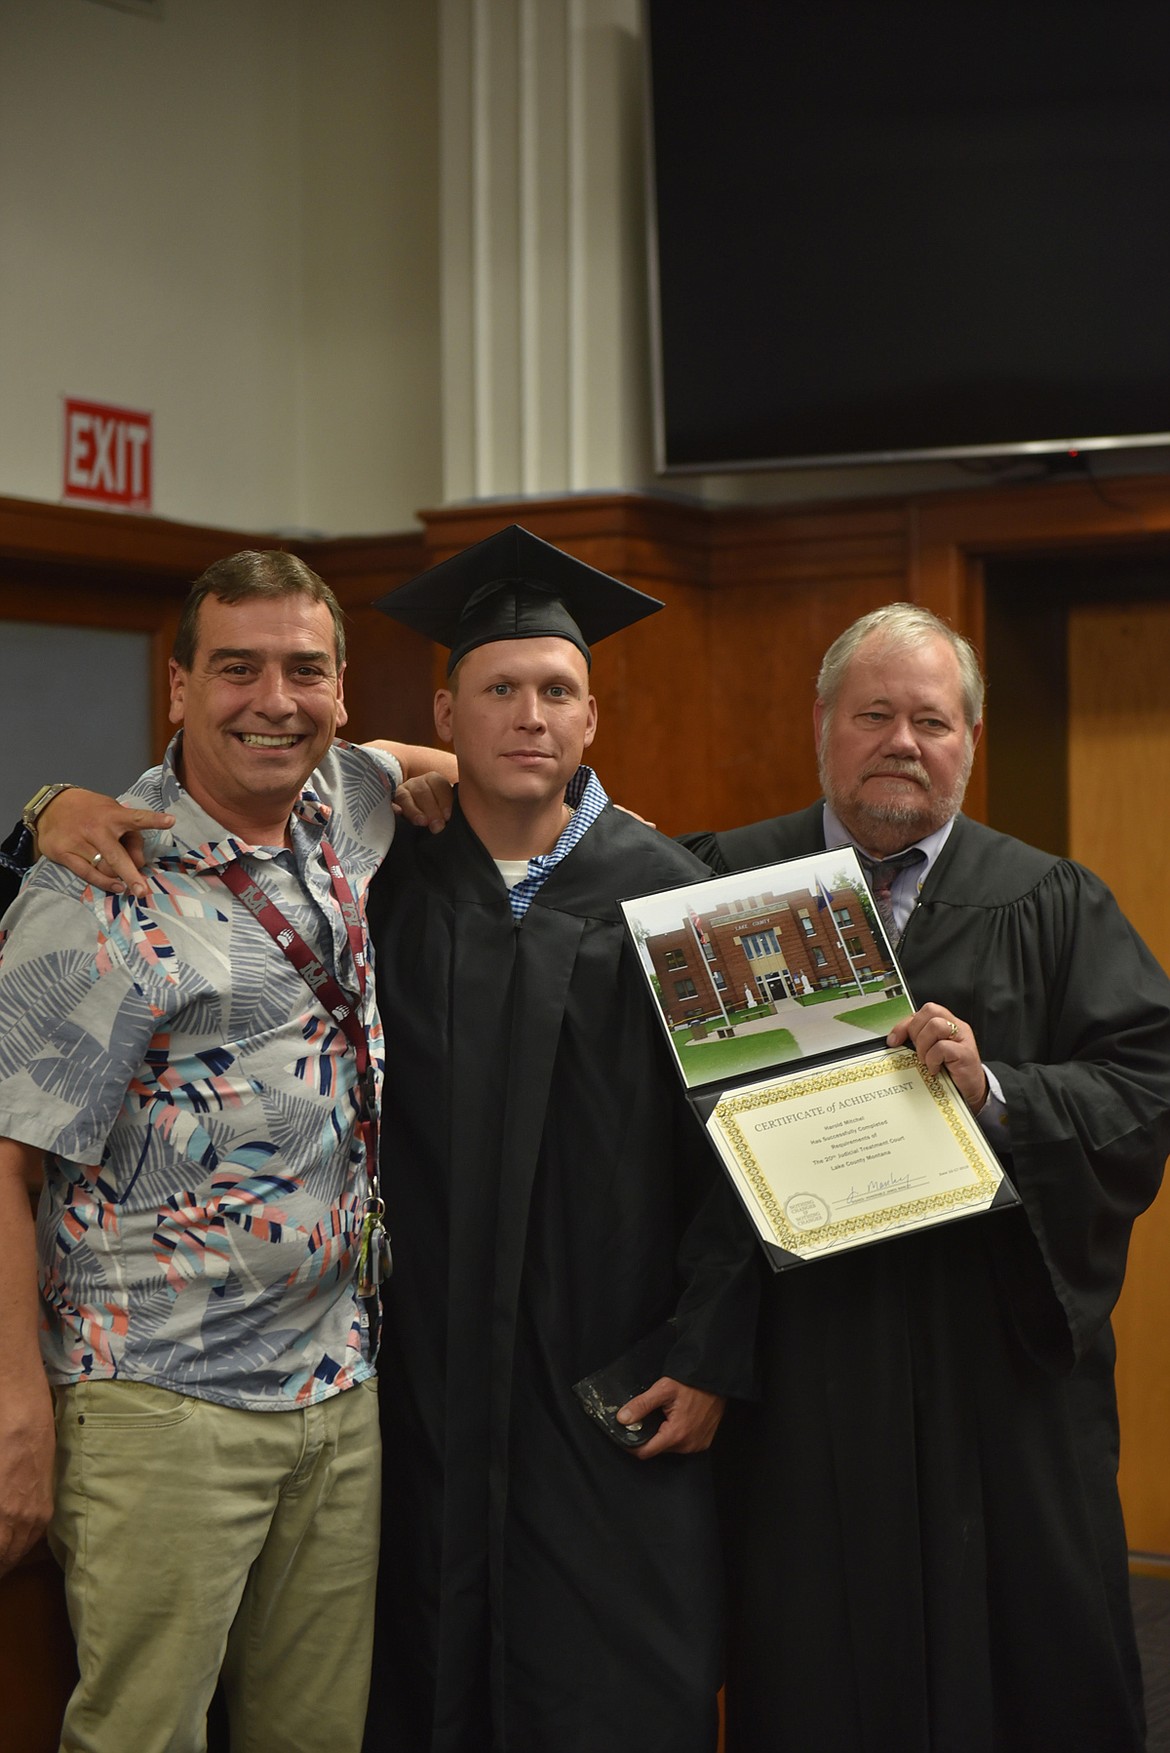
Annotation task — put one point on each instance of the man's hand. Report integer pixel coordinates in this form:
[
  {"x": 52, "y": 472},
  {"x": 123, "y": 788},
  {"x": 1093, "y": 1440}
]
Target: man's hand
[
  {"x": 691, "y": 1418},
  {"x": 80, "y": 824},
  {"x": 940, "y": 1039},
  {"x": 429, "y": 777},
  {"x": 425, "y": 802},
  {"x": 27, "y": 1443}
]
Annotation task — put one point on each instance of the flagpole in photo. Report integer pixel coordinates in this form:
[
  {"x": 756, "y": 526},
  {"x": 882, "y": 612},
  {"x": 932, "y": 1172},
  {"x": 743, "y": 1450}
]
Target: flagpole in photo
[
  {"x": 826, "y": 900},
  {"x": 701, "y": 940}
]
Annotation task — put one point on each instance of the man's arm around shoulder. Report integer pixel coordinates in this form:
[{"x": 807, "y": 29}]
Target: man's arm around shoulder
[
  {"x": 26, "y": 1404},
  {"x": 428, "y": 777}
]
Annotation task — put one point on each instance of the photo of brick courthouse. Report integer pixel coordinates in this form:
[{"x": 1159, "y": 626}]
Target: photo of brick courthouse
[{"x": 761, "y": 949}]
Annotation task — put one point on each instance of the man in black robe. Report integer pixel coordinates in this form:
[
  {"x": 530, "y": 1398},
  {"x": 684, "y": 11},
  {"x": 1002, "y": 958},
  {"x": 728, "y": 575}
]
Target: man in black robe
[
  {"x": 552, "y": 1203},
  {"x": 926, "y": 1544}
]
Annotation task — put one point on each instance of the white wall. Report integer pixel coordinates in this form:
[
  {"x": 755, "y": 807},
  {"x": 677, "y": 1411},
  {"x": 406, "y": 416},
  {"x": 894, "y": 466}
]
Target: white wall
[
  {"x": 231, "y": 216},
  {"x": 227, "y": 217},
  {"x": 370, "y": 320}
]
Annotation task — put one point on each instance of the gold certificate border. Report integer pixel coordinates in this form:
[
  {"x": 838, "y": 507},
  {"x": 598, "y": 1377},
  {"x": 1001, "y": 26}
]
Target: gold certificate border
[{"x": 840, "y": 1231}]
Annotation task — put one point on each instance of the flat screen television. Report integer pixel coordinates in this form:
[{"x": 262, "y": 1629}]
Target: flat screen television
[{"x": 884, "y": 232}]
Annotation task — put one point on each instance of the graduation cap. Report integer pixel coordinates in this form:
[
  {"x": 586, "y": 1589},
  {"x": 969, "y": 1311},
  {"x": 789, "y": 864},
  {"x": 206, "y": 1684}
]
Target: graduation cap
[{"x": 514, "y": 586}]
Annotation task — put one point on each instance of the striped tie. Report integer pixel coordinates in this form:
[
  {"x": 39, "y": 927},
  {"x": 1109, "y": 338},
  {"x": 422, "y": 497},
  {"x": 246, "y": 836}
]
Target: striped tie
[{"x": 880, "y": 874}]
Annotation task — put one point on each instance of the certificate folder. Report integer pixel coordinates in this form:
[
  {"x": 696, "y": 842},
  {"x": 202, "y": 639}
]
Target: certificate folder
[{"x": 776, "y": 988}]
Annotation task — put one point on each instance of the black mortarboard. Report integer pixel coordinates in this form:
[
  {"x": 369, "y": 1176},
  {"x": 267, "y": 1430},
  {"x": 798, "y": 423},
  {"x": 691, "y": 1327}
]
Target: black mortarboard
[{"x": 514, "y": 586}]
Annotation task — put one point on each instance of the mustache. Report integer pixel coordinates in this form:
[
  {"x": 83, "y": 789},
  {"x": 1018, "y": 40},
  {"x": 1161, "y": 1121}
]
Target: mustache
[{"x": 899, "y": 770}]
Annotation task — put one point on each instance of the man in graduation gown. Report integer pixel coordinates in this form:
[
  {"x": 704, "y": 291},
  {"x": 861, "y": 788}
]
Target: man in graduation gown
[
  {"x": 552, "y": 1203},
  {"x": 927, "y": 1549}
]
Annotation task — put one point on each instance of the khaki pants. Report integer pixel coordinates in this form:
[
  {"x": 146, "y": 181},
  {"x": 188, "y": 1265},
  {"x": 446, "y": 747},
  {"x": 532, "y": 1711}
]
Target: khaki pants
[{"x": 195, "y": 1537}]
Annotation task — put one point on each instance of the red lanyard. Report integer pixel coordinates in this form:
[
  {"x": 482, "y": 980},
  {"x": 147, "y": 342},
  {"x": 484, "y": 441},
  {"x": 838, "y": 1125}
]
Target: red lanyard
[{"x": 320, "y": 981}]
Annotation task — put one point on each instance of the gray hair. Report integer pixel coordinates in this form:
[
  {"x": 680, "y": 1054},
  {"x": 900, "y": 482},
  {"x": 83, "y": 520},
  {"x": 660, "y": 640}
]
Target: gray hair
[{"x": 901, "y": 627}]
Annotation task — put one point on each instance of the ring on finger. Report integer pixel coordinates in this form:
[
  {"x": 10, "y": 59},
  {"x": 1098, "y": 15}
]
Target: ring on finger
[
  {"x": 96, "y": 859},
  {"x": 953, "y": 1026}
]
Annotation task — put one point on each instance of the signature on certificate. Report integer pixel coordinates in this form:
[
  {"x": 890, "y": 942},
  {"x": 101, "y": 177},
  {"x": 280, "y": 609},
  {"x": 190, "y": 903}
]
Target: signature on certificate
[{"x": 877, "y": 1189}]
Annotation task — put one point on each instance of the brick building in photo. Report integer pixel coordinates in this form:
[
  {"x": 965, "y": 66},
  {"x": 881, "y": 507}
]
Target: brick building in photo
[{"x": 766, "y": 946}]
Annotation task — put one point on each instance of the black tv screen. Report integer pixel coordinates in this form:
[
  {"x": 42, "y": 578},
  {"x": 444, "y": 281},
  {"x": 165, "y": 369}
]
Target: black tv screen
[{"x": 895, "y": 231}]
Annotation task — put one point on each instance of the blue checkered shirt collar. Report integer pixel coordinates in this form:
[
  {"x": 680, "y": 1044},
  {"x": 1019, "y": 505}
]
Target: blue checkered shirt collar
[{"x": 585, "y": 796}]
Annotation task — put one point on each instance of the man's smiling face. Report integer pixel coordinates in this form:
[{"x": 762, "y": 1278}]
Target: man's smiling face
[{"x": 259, "y": 707}]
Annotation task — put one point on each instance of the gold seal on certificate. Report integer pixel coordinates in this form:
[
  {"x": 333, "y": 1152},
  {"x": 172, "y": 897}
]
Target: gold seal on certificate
[
  {"x": 853, "y": 1153},
  {"x": 777, "y": 988}
]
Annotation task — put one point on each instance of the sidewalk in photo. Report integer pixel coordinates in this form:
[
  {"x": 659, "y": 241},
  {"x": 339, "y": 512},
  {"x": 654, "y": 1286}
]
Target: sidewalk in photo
[{"x": 815, "y": 1027}]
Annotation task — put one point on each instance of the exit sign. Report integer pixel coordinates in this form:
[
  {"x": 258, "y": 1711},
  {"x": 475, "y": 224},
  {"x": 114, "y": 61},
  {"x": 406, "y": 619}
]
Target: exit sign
[{"x": 108, "y": 455}]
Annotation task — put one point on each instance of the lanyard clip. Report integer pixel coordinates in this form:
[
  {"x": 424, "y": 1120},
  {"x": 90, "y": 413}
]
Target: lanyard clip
[{"x": 375, "y": 1262}]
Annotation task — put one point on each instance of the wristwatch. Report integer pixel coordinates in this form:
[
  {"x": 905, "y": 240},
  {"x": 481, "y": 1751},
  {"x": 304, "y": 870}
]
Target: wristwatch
[{"x": 40, "y": 801}]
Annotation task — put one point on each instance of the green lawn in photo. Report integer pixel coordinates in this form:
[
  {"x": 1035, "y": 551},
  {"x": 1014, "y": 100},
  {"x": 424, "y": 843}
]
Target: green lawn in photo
[
  {"x": 831, "y": 994},
  {"x": 704, "y": 1061},
  {"x": 876, "y": 1019}
]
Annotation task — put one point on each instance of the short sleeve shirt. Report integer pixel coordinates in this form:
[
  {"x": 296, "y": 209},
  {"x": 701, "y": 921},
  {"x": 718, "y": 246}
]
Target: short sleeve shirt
[{"x": 205, "y": 1175}]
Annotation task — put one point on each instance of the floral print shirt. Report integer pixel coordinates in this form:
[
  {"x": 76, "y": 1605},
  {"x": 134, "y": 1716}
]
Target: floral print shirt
[{"x": 205, "y": 1174}]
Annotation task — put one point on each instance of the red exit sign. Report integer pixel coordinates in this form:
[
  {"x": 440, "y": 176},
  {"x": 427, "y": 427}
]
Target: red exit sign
[{"x": 108, "y": 455}]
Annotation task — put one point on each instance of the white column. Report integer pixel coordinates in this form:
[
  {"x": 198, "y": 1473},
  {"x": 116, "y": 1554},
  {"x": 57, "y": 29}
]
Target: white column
[{"x": 544, "y": 321}]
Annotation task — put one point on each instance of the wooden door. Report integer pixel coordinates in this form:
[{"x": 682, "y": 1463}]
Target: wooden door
[{"x": 1119, "y": 825}]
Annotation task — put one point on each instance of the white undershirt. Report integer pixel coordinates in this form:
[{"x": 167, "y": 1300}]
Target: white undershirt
[{"x": 513, "y": 870}]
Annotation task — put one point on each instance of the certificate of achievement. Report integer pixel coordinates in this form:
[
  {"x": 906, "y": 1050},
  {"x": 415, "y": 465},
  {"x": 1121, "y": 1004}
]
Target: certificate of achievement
[
  {"x": 776, "y": 989},
  {"x": 853, "y": 1152}
]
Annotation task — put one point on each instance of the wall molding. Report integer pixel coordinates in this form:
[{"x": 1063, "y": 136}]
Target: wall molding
[{"x": 705, "y": 708}]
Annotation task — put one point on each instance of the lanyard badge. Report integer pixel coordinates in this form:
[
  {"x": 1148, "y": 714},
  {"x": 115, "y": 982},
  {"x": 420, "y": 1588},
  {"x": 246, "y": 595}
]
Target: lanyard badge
[{"x": 374, "y": 1259}]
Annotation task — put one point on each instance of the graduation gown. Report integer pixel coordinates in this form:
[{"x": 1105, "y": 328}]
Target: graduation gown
[
  {"x": 927, "y": 1549},
  {"x": 551, "y": 1201}
]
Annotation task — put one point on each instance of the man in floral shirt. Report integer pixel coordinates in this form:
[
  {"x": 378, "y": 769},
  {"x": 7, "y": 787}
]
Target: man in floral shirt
[{"x": 199, "y": 1113}]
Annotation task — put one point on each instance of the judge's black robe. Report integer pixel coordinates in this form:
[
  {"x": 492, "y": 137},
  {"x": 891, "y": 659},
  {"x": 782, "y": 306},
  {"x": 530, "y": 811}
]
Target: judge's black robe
[
  {"x": 927, "y": 1549},
  {"x": 551, "y": 1201}
]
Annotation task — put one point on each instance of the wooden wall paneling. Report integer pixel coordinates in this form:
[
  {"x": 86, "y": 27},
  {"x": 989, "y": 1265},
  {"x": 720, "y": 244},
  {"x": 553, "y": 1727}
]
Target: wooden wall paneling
[
  {"x": 785, "y": 584},
  {"x": 764, "y": 666},
  {"x": 617, "y": 518},
  {"x": 119, "y": 542},
  {"x": 654, "y": 748},
  {"x": 391, "y": 672},
  {"x": 949, "y": 529},
  {"x": 1116, "y": 722},
  {"x": 1039, "y": 516},
  {"x": 390, "y": 680},
  {"x": 1119, "y": 735},
  {"x": 953, "y": 534},
  {"x": 653, "y": 745},
  {"x": 1025, "y": 750},
  {"x": 824, "y": 545}
]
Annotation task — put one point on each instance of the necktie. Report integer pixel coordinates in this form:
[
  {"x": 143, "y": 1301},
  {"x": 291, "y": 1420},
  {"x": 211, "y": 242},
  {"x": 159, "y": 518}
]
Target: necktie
[{"x": 880, "y": 874}]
